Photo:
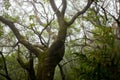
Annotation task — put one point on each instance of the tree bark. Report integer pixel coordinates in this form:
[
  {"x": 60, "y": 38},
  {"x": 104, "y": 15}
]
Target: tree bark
[{"x": 51, "y": 58}]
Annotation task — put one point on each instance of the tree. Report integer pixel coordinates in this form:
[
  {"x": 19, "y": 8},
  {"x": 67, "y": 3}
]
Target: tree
[
  {"x": 98, "y": 54},
  {"x": 48, "y": 56}
]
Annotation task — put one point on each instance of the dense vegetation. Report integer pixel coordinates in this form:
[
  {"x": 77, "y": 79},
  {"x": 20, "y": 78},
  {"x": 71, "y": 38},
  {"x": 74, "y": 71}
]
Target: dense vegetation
[{"x": 59, "y": 39}]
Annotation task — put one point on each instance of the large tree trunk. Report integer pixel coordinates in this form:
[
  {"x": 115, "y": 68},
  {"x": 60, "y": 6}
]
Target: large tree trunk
[{"x": 51, "y": 58}]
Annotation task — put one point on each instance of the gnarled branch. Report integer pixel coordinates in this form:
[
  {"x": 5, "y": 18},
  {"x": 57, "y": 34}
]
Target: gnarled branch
[
  {"x": 20, "y": 38},
  {"x": 54, "y": 7},
  {"x": 64, "y": 2},
  {"x": 80, "y": 12}
]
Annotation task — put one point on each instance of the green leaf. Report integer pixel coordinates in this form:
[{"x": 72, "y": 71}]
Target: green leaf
[
  {"x": 31, "y": 25},
  {"x": 11, "y": 18},
  {"x": 46, "y": 1},
  {"x": 31, "y": 17},
  {"x": 7, "y": 4},
  {"x": 1, "y": 30}
]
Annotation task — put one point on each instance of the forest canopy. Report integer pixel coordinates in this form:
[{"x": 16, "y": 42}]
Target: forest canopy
[{"x": 59, "y": 39}]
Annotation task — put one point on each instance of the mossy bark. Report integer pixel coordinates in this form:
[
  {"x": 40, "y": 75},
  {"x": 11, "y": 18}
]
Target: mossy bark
[{"x": 53, "y": 55}]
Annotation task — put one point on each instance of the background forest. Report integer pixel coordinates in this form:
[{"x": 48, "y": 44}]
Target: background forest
[{"x": 59, "y": 39}]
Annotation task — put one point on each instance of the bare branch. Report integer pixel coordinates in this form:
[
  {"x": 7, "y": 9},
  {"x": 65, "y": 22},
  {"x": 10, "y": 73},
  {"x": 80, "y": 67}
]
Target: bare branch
[
  {"x": 35, "y": 11},
  {"x": 115, "y": 18},
  {"x": 54, "y": 7},
  {"x": 80, "y": 12},
  {"x": 64, "y": 2},
  {"x": 45, "y": 28}
]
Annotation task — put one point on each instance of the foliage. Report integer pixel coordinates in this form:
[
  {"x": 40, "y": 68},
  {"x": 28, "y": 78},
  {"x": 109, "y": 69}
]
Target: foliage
[
  {"x": 100, "y": 59},
  {"x": 35, "y": 34},
  {"x": 1, "y": 30},
  {"x": 7, "y": 4}
]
